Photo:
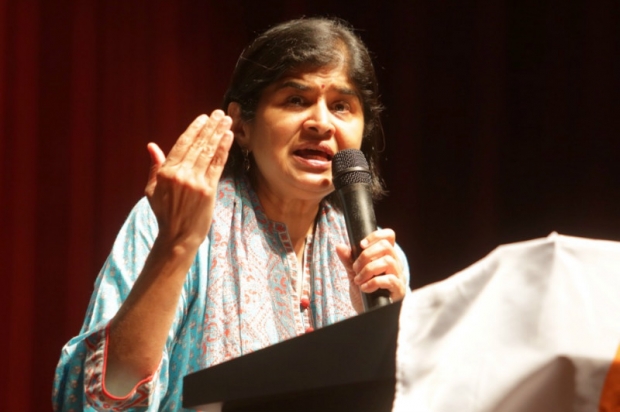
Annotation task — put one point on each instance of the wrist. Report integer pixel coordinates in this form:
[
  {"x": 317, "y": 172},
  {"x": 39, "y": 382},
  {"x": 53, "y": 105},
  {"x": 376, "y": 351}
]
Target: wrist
[{"x": 177, "y": 245}]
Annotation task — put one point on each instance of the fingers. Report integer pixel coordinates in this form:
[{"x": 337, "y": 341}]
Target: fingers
[
  {"x": 344, "y": 253},
  {"x": 199, "y": 143},
  {"x": 379, "y": 265},
  {"x": 378, "y": 255},
  {"x": 214, "y": 148},
  {"x": 185, "y": 141},
  {"x": 157, "y": 159},
  {"x": 377, "y": 235},
  {"x": 392, "y": 283},
  {"x": 201, "y": 151},
  {"x": 205, "y": 144},
  {"x": 157, "y": 155},
  {"x": 384, "y": 264}
]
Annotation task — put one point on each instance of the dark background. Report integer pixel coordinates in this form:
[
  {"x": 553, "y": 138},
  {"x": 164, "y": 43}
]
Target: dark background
[{"x": 502, "y": 125}]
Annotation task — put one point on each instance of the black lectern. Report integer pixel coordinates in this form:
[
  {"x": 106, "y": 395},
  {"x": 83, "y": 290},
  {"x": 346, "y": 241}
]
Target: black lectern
[{"x": 348, "y": 366}]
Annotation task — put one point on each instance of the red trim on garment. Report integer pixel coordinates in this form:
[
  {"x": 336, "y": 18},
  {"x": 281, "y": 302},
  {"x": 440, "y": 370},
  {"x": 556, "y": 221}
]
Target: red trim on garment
[{"x": 105, "y": 364}]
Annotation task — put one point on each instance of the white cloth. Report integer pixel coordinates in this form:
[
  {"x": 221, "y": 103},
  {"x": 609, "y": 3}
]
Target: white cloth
[{"x": 534, "y": 326}]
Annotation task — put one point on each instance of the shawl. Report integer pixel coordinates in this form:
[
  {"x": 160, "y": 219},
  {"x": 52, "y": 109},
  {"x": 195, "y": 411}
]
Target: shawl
[{"x": 240, "y": 295}]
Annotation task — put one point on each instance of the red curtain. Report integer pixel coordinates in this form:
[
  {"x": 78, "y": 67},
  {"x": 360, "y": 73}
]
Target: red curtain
[
  {"x": 501, "y": 124},
  {"x": 85, "y": 86}
]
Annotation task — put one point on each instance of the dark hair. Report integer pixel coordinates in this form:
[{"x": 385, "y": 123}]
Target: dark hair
[{"x": 307, "y": 44}]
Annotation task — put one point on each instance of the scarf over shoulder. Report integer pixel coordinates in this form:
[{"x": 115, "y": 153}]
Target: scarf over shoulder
[{"x": 241, "y": 294}]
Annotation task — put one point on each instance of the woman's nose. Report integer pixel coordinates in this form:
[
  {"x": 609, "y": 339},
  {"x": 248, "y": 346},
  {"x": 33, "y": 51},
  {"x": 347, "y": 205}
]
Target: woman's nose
[{"x": 319, "y": 121}]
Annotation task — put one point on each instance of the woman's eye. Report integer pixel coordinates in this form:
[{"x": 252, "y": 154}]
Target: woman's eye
[
  {"x": 341, "y": 107},
  {"x": 295, "y": 101}
]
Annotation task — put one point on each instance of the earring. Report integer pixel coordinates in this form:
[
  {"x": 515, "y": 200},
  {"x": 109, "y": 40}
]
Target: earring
[{"x": 246, "y": 159}]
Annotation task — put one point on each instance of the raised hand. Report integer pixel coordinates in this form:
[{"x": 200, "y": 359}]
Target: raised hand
[
  {"x": 182, "y": 188},
  {"x": 377, "y": 267}
]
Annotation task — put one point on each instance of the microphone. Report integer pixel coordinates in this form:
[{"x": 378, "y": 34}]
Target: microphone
[{"x": 351, "y": 177}]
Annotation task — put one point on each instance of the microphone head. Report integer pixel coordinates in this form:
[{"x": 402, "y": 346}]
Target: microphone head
[{"x": 349, "y": 166}]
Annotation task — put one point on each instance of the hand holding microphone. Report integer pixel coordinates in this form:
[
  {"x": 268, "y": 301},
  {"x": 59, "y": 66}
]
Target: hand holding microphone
[{"x": 372, "y": 262}]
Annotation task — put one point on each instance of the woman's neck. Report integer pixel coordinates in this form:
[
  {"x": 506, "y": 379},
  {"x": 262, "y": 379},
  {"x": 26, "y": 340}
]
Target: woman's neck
[{"x": 297, "y": 215}]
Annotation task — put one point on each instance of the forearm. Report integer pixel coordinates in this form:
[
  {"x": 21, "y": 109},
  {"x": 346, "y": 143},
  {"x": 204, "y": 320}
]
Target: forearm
[
  {"x": 139, "y": 330},
  {"x": 182, "y": 189}
]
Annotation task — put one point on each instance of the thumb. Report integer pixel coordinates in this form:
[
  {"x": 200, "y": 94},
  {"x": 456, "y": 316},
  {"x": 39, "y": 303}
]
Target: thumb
[
  {"x": 344, "y": 253},
  {"x": 157, "y": 159}
]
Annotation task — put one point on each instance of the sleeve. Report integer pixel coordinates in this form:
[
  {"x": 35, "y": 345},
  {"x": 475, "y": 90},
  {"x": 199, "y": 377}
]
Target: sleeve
[{"x": 78, "y": 382}]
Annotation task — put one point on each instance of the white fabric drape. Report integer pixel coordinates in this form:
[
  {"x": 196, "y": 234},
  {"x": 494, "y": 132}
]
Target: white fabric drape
[{"x": 533, "y": 326}]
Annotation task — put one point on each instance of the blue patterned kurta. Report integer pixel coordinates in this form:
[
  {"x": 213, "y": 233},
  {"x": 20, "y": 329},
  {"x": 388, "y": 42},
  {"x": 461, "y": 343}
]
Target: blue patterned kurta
[{"x": 240, "y": 296}]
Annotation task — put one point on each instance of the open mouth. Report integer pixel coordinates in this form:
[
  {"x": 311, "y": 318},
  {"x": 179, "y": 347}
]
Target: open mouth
[{"x": 314, "y": 154}]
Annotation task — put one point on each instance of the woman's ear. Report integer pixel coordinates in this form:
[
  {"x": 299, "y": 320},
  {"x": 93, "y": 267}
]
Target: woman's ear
[{"x": 239, "y": 126}]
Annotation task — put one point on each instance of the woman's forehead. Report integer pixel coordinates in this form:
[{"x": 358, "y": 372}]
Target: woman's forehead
[{"x": 337, "y": 75}]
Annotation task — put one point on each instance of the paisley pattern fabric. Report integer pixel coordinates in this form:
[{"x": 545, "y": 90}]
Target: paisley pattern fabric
[{"x": 240, "y": 295}]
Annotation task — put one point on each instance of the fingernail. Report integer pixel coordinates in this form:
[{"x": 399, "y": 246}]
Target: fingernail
[
  {"x": 364, "y": 243},
  {"x": 202, "y": 119}
]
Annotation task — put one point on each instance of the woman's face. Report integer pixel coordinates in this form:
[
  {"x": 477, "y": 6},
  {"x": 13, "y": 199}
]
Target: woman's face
[{"x": 301, "y": 121}]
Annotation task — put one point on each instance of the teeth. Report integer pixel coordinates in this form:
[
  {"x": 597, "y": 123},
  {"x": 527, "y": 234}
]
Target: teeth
[{"x": 313, "y": 154}]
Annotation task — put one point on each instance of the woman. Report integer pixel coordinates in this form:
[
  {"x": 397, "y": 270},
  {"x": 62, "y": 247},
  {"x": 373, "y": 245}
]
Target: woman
[{"x": 231, "y": 252}]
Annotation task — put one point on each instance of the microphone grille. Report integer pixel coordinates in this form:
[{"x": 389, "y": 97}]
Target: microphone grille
[{"x": 349, "y": 166}]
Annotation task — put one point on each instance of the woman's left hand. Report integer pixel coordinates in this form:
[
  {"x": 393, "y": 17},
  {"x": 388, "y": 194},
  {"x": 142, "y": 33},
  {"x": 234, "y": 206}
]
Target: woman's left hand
[{"x": 377, "y": 267}]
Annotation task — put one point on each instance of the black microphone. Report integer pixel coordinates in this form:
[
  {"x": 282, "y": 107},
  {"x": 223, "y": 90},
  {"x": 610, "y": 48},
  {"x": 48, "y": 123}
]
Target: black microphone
[{"x": 351, "y": 177}]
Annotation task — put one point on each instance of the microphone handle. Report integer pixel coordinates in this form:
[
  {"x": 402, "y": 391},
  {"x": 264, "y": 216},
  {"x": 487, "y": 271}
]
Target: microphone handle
[{"x": 359, "y": 216}]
